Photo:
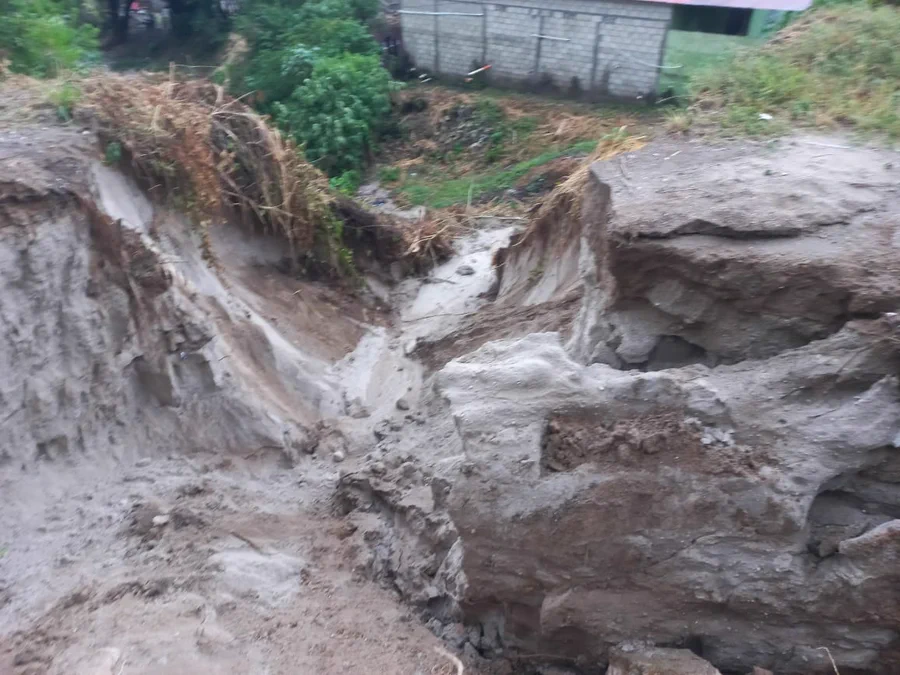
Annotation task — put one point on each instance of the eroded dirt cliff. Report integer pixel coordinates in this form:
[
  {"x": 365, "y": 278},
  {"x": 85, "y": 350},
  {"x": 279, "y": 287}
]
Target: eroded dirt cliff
[
  {"x": 162, "y": 508},
  {"x": 721, "y": 474},
  {"x": 665, "y": 419}
]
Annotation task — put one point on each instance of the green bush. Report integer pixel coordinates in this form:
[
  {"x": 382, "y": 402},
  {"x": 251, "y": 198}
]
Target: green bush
[
  {"x": 41, "y": 37},
  {"x": 389, "y": 174},
  {"x": 286, "y": 41},
  {"x": 347, "y": 183},
  {"x": 335, "y": 25},
  {"x": 316, "y": 69},
  {"x": 275, "y": 74},
  {"x": 335, "y": 114},
  {"x": 333, "y": 37}
]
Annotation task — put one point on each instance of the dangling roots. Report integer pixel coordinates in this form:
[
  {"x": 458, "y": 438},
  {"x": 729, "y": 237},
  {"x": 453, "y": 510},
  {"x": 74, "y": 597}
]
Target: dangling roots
[{"x": 211, "y": 152}]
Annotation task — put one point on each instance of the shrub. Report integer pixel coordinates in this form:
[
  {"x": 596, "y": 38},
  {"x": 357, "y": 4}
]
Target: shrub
[
  {"x": 40, "y": 38},
  {"x": 337, "y": 111},
  {"x": 316, "y": 69},
  {"x": 347, "y": 183},
  {"x": 275, "y": 74},
  {"x": 285, "y": 43},
  {"x": 389, "y": 174},
  {"x": 64, "y": 96},
  {"x": 333, "y": 37}
]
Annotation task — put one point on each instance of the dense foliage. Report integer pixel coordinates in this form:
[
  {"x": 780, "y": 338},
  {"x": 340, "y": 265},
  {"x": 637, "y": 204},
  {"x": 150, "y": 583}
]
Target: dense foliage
[
  {"x": 315, "y": 68},
  {"x": 44, "y": 37},
  {"x": 336, "y": 110}
]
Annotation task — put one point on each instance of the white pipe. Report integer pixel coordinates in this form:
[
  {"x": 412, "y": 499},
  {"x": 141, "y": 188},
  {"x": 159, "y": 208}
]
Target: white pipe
[{"x": 550, "y": 37}]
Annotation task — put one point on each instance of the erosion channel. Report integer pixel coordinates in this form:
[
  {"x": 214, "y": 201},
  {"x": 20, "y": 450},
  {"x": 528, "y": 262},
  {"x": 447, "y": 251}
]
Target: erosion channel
[{"x": 655, "y": 429}]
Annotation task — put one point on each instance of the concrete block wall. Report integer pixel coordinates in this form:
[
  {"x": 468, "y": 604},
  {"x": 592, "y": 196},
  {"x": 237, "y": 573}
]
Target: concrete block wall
[
  {"x": 419, "y": 35},
  {"x": 602, "y": 47},
  {"x": 461, "y": 38}
]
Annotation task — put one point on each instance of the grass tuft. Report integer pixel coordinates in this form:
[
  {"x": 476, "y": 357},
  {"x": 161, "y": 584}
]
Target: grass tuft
[
  {"x": 443, "y": 193},
  {"x": 678, "y": 121},
  {"x": 836, "y": 66}
]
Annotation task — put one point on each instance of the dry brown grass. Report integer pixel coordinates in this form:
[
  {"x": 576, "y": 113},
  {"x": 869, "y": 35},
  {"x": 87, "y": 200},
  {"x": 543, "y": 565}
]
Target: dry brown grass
[
  {"x": 567, "y": 128},
  {"x": 22, "y": 99},
  {"x": 432, "y": 238},
  {"x": 678, "y": 121},
  {"x": 566, "y": 199},
  {"x": 190, "y": 140},
  {"x": 216, "y": 156},
  {"x": 441, "y": 101},
  {"x": 563, "y": 206},
  {"x": 557, "y": 123}
]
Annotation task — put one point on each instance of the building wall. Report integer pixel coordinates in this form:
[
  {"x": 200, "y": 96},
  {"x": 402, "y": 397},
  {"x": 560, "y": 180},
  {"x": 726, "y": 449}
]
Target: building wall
[{"x": 605, "y": 47}]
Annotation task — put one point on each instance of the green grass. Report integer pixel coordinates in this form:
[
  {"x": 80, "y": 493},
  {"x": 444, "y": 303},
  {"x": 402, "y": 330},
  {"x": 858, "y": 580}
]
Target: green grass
[
  {"x": 436, "y": 193},
  {"x": 836, "y": 66},
  {"x": 389, "y": 174},
  {"x": 64, "y": 96},
  {"x": 688, "y": 53}
]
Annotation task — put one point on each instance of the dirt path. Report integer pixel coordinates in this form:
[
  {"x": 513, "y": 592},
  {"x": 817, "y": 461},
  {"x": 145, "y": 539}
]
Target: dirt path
[{"x": 188, "y": 565}]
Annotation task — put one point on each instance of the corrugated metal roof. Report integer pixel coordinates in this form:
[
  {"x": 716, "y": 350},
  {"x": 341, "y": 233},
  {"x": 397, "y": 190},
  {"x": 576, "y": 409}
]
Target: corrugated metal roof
[{"x": 783, "y": 5}]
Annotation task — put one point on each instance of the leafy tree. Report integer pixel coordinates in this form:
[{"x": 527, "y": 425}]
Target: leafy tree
[
  {"x": 316, "y": 68},
  {"x": 337, "y": 111}
]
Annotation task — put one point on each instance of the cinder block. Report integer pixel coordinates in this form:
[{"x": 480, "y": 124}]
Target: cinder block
[{"x": 629, "y": 43}]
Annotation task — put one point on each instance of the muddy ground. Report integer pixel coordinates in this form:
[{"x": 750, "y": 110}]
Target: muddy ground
[
  {"x": 155, "y": 550},
  {"x": 237, "y": 471}
]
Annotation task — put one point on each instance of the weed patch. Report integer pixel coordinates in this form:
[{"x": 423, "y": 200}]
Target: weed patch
[
  {"x": 211, "y": 154},
  {"x": 437, "y": 193},
  {"x": 43, "y": 38},
  {"x": 63, "y": 96},
  {"x": 835, "y": 66}
]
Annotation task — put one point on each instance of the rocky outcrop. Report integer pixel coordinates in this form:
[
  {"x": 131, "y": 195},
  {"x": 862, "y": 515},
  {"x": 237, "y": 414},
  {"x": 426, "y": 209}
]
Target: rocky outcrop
[
  {"x": 641, "y": 660},
  {"x": 120, "y": 340},
  {"x": 749, "y": 511},
  {"x": 684, "y": 505},
  {"x": 706, "y": 254}
]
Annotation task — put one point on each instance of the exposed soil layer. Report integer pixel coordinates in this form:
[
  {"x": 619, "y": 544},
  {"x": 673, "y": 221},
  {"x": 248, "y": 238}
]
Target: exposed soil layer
[
  {"x": 738, "y": 498},
  {"x": 495, "y": 322},
  {"x": 641, "y": 419},
  {"x": 166, "y": 487}
]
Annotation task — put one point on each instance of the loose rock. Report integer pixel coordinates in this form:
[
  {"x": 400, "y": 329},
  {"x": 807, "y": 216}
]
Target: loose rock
[{"x": 637, "y": 660}]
